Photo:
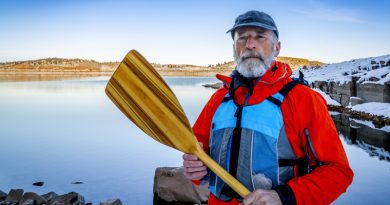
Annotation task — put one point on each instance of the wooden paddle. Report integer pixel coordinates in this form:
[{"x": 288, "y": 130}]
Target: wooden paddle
[{"x": 145, "y": 98}]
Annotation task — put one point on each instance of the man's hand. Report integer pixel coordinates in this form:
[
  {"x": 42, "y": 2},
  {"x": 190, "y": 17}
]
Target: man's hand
[
  {"x": 262, "y": 197},
  {"x": 194, "y": 169}
]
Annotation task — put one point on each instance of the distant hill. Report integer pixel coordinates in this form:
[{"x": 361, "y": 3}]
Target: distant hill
[
  {"x": 294, "y": 63},
  {"x": 82, "y": 65},
  {"x": 58, "y": 65}
]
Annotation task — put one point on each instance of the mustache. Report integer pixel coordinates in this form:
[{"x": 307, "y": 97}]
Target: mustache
[{"x": 251, "y": 54}]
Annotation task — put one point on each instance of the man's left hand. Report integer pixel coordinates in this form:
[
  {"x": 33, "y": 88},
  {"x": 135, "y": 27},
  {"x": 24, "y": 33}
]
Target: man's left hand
[{"x": 262, "y": 197}]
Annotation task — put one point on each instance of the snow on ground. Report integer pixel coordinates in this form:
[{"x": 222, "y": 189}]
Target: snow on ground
[
  {"x": 371, "y": 125},
  {"x": 328, "y": 99},
  {"x": 368, "y": 70},
  {"x": 334, "y": 113},
  {"x": 375, "y": 108}
]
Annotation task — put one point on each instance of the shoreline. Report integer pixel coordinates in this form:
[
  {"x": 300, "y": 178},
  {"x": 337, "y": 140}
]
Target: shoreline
[{"x": 68, "y": 75}]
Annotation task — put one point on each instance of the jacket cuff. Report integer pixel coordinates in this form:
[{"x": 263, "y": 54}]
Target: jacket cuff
[
  {"x": 196, "y": 182},
  {"x": 286, "y": 194}
]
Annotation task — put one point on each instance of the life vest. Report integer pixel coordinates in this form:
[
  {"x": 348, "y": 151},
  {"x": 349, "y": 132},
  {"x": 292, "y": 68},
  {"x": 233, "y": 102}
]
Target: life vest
[{"x": 250, "y": 142}]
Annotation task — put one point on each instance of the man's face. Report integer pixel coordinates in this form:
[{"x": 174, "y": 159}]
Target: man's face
[{"x": 254, "y": 50}]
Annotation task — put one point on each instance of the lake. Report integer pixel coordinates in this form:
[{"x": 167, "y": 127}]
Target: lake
[{"x": 66, "y": 131}]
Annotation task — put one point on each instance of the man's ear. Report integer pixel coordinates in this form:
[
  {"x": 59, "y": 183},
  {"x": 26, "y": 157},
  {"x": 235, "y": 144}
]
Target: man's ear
[{"x": 278, "y": 46}]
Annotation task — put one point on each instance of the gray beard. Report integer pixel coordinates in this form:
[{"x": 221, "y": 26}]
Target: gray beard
[{"x": 253, "y": 68}]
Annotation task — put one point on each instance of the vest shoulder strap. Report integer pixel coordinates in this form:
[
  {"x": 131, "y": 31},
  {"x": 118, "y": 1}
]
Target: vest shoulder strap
[{"x": 287, "y": 88}]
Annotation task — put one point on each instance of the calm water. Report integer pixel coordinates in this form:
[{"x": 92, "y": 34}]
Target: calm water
[{"x": 67, "y": 131}]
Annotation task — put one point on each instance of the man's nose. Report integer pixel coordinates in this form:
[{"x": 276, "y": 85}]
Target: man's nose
[{"x": 250, "y": 44}]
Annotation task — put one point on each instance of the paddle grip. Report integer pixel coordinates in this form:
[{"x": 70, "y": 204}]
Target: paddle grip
[{"x": 222, "y": 173}]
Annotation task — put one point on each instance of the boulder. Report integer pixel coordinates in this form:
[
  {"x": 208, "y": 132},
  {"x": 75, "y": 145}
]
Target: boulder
[
  {"x": 50, "y": 196},
  {"x": 112, "y": 202},
  {"x": 28, "y": 202},
  {"x": 71, "y": 198},
  {"x": 3, "y": 196},
  {"x": 170, "y": 185},
  {"x": 38, "y": 183},
  {"x": 14, "y": 196},
  {"x": 34, "y": 197},
  {"x": 215, "y": 85},
  {"x": 355, "y": 101}
]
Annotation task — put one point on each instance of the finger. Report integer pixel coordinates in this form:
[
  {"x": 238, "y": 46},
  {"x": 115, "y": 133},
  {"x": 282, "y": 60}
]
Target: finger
[
  {"x": 195, "y": 175},
  {"x": 201, "y": 144},
  {"x": 250, "y": 198},
  {"x": 195, "y": 169},
  {"x": 195, "y": 163},
  {"x": 189, "y": 157}
]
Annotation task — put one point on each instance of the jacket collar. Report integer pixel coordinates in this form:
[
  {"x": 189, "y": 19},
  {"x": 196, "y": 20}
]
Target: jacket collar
[
  {"x": 275, "y": 73},
  {"x": 270, "y": 83}
]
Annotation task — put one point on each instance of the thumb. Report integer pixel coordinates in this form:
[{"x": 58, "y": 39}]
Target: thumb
[
  {"x": 201, "y": 145},
  {"x": 249, "y": 199}
]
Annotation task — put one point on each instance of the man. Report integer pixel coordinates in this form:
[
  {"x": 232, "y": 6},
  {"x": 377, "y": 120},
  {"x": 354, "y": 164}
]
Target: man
[{"x": 270, "y": 131}]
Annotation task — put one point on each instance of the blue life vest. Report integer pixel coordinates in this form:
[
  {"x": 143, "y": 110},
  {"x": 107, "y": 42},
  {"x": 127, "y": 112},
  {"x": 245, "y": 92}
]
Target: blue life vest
[{"x": 250, "y": 142}]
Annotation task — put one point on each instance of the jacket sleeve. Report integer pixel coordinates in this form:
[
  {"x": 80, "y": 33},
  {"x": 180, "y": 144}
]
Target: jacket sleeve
[{"x": 308, "y": 109}]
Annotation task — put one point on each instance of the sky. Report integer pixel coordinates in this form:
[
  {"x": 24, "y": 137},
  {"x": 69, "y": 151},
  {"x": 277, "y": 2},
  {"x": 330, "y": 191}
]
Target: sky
[{"x": 188, "y": 32}]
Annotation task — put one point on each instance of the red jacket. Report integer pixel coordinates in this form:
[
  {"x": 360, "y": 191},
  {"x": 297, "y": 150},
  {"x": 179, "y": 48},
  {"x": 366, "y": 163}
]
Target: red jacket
[{"x": 301, "y": 108}]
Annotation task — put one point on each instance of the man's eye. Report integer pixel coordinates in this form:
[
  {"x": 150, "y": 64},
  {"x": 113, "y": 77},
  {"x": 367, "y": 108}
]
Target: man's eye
[{"x": 242, "y": 38}]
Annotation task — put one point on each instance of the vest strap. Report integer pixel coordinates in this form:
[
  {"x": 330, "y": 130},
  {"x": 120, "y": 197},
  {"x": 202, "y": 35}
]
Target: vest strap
[
  {"x": 287, "y": 162},
  {"x": 288, "y": 87},
  {"x": 274, "y": 100}
]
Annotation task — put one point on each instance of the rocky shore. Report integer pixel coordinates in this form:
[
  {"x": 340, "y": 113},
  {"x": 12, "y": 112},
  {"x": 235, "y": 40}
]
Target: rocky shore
[
  {"x": 172, "y": 188},
  {"x": 20, "y": 197}
]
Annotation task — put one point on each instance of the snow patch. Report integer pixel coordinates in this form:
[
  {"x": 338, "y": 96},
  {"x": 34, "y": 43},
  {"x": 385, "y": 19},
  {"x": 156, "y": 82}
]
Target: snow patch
[
  {"x": 370, "y": 124},
  {"x": 328, "y": 99},
  {"x": 367, "y": 70},
  {"x": 375, "y": 108}
]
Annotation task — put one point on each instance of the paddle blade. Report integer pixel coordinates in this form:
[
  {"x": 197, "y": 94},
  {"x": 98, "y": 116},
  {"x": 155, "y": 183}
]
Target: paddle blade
[{"x": 145, "y": 98}]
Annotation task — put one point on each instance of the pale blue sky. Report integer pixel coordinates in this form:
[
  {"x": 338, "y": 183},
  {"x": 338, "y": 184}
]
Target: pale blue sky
[{"x": 190, "y": 32}]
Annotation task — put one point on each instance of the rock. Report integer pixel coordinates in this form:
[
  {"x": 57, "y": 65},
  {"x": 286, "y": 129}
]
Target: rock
[
  {"x": 111, "y": 202},
  {"x": 14, "y": 196},
  {"x": 33, "y": 196},
  {"x": 375, "y": 67},
  {"x": 355, "y": 101},
  {"x": 373, "y": 62},
  {"x": 3, "y": 196},
  {"x": 38, "y": 183},
  {"x": 71, "y": 198},
  {"x": 373, "y": 79},
  {"x": 50, "y": 196},
  {"x": 215, "y": 85},
  {"x": 170, "y": 185},
  {"x": 28, "y": 202}
]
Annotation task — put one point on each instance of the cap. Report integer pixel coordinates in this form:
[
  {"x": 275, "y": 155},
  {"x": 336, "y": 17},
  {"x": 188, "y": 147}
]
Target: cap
[{"x": 254, "y": 18}]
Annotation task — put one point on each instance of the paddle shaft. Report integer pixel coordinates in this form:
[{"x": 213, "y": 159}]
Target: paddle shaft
[{"x": 222, "y": 173}]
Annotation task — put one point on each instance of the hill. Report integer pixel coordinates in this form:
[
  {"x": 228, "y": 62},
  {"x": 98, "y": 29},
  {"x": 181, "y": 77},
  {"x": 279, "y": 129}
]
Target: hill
[
  {"x": 81, "y": 65},
  {"x": 58, "y": 65}
]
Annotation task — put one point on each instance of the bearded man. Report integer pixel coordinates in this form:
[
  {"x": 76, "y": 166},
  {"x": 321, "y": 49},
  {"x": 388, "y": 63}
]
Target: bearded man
[{"x": 270, "y": 131}]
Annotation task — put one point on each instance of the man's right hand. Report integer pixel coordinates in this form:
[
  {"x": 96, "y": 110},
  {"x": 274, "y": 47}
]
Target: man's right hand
[{"x": 194, "y": 169}]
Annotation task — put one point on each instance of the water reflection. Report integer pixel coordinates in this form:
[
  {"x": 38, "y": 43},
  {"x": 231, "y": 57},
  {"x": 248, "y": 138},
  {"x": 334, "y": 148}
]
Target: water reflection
[
  {"x": 39, "y": 76},
  {"x": 375, "y": 142}
]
